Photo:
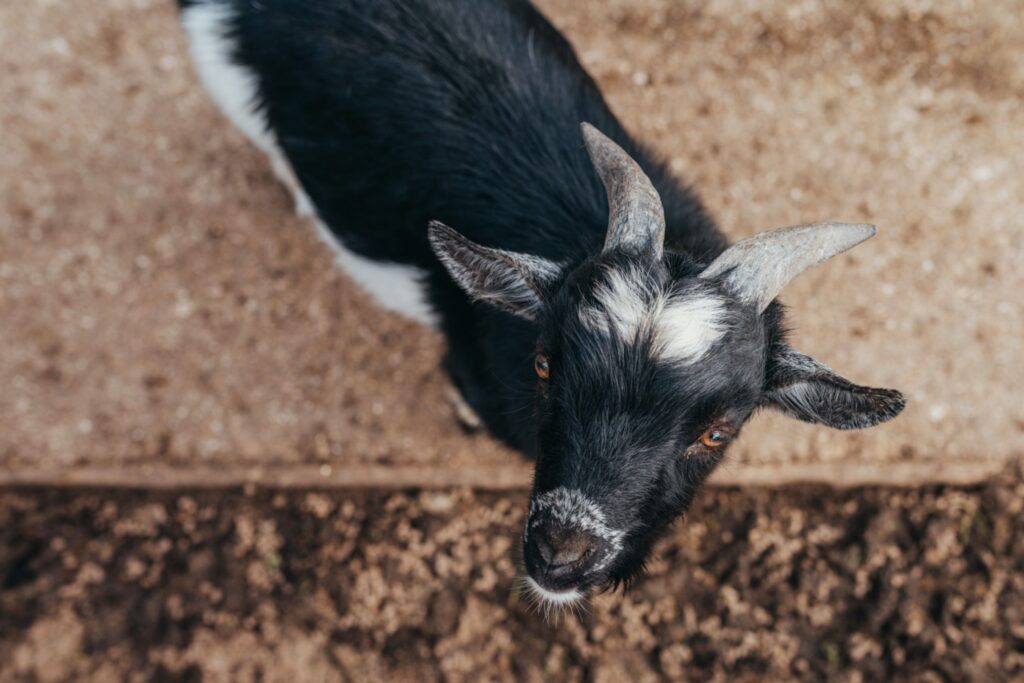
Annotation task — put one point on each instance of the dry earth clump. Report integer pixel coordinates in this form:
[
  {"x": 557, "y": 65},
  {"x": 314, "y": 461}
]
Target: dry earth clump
[{"x": 797, "y": 584}]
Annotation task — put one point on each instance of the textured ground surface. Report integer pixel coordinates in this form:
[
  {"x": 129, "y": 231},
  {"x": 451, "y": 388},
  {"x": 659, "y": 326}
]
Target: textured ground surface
[
  {"x": 161, "y": 304},
  {"x": 800, "y": 584}
]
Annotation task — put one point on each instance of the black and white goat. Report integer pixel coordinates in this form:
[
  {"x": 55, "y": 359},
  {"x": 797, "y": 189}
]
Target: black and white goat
[{"x": 598, "y": 321}]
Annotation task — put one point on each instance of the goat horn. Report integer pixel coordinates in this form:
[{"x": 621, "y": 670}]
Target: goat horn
[
  {"x": 636, "y": 219},
  {"x": 759, "y": 267}
]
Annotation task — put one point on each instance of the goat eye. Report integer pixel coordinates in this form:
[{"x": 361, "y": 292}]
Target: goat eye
[
  {"x": 542, "y": 366},
  {"x": 715, "y": 437}
]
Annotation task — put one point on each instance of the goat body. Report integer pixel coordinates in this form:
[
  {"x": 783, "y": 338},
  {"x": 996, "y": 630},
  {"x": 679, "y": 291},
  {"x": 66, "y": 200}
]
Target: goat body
[
  {"x": 578, "y": 324},
  {"x": 393, "y": 113}
]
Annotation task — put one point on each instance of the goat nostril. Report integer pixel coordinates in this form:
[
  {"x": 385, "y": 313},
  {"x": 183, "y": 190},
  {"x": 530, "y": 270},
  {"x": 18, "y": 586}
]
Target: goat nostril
[{"x": 545, "y": 549}]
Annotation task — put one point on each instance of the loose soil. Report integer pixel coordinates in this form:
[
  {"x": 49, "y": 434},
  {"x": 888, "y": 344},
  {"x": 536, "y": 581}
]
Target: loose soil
[
  {"x": 756, "y": 585},
  {"x": 161, "y": 304}
]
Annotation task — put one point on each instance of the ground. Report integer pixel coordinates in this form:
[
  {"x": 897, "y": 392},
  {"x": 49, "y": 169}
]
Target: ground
[
  {"x": 167, "y": 320},
  {"x": 163, "y": 305},
  {"x": 798, "y": 584}
]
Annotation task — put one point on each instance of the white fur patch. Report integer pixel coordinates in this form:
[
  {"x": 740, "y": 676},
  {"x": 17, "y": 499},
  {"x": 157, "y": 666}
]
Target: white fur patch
[
  {"x": 688, "y": 327},
  {"x": 684, "y": 328},
  {"x": 235, "y": 87},
  {"x": 623, "y": 304},
  {"x": 396, "y": 286},
  {"x": 573, "y": 509},
  {"x": 235, "y": 90},
  {"x": 552, "y": 598}
]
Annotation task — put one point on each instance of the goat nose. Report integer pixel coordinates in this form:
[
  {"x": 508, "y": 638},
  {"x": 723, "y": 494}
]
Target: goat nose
[{"x": 561, "y": 549}]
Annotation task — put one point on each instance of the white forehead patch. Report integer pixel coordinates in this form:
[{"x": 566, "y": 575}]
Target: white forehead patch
[
  {"x": 688, "y": 327},
  {"x": 623, "y": 304},
  {"x": 684, "y": 327}
]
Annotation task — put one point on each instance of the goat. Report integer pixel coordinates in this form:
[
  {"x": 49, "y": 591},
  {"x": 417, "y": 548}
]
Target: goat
[{"x": 596, "y": 318}]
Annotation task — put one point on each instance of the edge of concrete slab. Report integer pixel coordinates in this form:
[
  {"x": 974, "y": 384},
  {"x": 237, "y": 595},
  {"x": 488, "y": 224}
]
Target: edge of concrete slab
[{"x": 508, "y": 478}]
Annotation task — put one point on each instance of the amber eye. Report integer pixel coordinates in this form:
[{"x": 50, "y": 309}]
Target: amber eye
[
  {"x": 541, "y": 366},
  {"x": 715, "y": 437}
]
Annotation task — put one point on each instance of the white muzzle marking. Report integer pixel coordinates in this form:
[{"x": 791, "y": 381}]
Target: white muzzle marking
[{"x": 555, "y": 598}]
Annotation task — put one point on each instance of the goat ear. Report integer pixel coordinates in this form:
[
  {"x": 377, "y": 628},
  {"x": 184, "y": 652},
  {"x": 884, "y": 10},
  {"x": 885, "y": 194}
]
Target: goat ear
[
  {"x": 513, "y": 282},
  {"x": 805, "y": 389}
]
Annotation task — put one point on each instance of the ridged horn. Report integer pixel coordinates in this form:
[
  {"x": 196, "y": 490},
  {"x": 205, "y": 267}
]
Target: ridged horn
[
  {"x": 759, "y": 267},
  {"x": 636, "y": 219}
]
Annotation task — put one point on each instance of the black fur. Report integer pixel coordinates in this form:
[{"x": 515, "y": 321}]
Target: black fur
[{"x": 395, "y": 113}]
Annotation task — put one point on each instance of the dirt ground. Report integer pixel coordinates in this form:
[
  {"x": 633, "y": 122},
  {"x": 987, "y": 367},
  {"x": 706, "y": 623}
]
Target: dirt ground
[
  {"x": 757, "y": 585},
  {"x": 160, "y": 303}
]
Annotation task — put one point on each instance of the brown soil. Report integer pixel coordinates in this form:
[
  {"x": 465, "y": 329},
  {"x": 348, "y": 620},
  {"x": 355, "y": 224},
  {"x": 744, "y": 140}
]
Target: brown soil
[
  {"x": 801, "y": 584},
  {"x": 161, "y": 304}
]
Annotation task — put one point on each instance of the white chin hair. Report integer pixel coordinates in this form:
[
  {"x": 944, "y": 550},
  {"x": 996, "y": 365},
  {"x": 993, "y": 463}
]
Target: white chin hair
[{"x": 553, "y": 598}]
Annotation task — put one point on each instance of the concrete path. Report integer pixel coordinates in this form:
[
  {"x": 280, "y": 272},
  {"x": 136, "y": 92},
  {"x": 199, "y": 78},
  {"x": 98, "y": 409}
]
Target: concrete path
[{"x": 165, "y": 315}]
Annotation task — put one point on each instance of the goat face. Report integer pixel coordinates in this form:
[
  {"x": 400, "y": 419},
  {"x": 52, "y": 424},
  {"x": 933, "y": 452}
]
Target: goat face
[
  {"x": 649, "y": 374},
  {"x": 647, "y": 366}
]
